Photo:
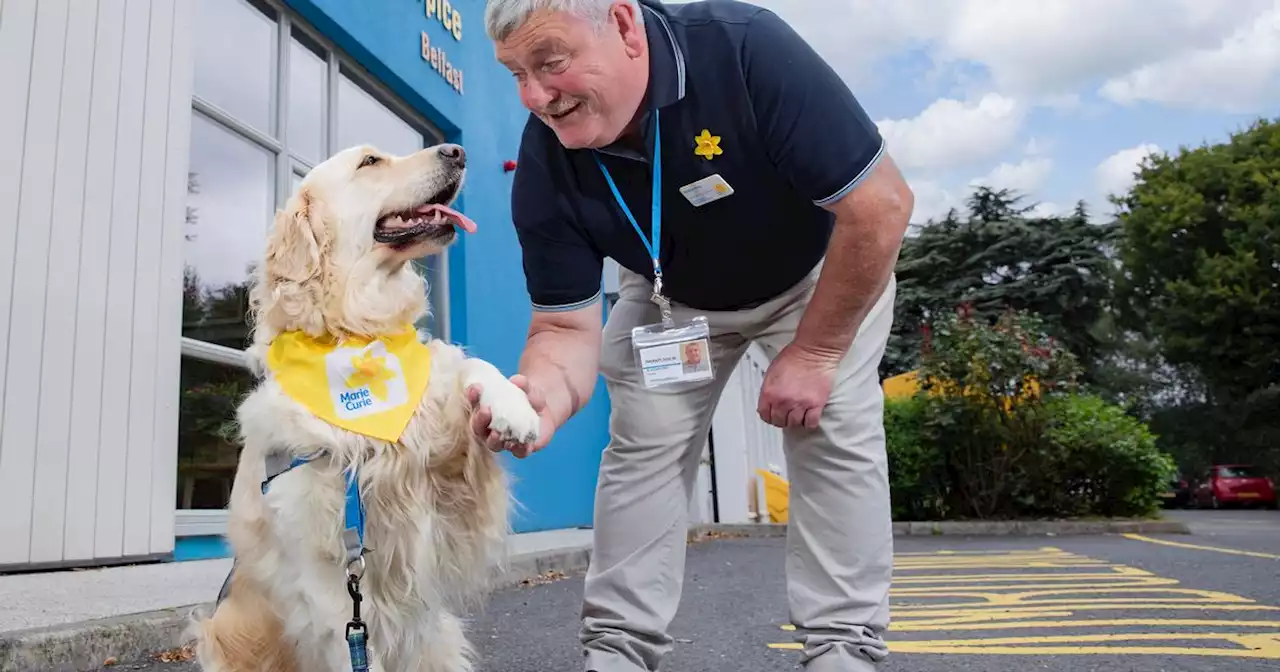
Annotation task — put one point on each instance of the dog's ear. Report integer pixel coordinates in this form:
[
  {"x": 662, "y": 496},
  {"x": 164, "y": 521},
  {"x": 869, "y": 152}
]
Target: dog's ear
[
  {"x": 288, "y": 290},
  {"x": 299, "y": 242}
]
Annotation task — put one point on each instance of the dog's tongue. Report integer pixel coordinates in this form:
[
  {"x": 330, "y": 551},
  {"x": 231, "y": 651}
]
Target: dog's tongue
[{"x": 462, "y": 220}]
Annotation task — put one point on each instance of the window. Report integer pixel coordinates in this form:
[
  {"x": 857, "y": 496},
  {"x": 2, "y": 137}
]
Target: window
[
  {"x": 264, "y": 113},
  {"x": 230, "y": 200},
  {"x": 234, "y": 79},
  {"x": 308, "y": 74},
  {"x": 1243, "y": 471},
  {"x": 207, "y": 437},
  {"x": 363, "y": 119}
]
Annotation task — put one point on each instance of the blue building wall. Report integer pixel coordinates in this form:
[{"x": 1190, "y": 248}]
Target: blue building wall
[{"x": 489, "y": 305}]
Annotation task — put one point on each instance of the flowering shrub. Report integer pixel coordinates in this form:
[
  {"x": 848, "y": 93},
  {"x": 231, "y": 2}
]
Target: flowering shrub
[{"x": 999, "y": 429}]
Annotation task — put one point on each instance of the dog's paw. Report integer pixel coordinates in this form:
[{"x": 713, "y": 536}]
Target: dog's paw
[{"x": 513, "y": 417}]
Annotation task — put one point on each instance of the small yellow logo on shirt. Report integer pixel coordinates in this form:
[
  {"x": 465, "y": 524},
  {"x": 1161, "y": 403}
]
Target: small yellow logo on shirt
[{"x": 707, "y": 145}]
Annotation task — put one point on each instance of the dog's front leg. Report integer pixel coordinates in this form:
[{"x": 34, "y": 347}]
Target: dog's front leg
[{"x": 513, "y": 416}]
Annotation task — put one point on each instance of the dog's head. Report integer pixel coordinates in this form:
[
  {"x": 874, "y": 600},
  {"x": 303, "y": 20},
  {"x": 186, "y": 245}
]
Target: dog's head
[{"x": 337, "y": 259}]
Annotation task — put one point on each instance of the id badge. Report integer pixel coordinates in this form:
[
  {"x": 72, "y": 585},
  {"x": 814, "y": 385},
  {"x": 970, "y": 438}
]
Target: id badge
[{"x": 679, "y": 352}]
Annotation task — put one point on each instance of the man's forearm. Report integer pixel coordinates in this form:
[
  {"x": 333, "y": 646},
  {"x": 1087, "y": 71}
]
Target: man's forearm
[
  {"x": 863, "y": 250},
  {"x": 562, "y": 363}
]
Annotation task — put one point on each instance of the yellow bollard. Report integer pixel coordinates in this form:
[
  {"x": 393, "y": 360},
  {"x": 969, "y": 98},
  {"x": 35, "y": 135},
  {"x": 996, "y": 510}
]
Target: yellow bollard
[{"x": 777, "y": 495}]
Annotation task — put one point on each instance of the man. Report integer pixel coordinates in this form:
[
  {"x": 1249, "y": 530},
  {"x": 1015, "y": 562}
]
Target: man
[
  {"x": 691, "y": 357},
  {"x": 781, "y": 220}
]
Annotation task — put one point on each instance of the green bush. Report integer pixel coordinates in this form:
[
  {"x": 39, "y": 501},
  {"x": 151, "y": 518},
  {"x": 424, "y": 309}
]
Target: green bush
[
  {"x": 913, "y": 464},
  {"x": 999, "y": 430},
  {"x": 1107, "y": 459}
]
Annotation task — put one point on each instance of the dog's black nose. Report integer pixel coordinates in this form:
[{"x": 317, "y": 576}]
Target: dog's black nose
[{"x": 453, "y": 153}]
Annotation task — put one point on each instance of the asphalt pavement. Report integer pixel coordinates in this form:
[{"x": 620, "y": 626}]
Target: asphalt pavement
[{"x": 1208, "y": 602}]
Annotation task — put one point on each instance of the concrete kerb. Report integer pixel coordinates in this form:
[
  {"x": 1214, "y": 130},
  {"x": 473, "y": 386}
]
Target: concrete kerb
[
  {"x": 1039, "y": 528},
  {"x": 77, "y": 647},
  {"x": 977, "y": 528},
  {"x": 85, "y": 646}
]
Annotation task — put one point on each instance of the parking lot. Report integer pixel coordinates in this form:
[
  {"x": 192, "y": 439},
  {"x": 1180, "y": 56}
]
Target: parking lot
[{"x": 1205, "y": 602}]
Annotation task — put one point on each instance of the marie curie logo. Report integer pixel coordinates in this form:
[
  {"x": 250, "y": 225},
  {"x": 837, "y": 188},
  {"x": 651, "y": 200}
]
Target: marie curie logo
[{"x": 365, "y": 381}]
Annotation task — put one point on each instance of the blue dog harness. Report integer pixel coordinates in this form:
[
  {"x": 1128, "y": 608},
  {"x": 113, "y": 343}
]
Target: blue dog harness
[{"x": 353, "y": 547}]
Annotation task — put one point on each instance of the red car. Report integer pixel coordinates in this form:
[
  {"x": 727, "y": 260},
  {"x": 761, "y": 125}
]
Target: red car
[{"x": 1235, "y": 484}]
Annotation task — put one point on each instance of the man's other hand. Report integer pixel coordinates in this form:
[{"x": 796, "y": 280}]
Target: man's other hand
[{"x": 796, "y": 387}]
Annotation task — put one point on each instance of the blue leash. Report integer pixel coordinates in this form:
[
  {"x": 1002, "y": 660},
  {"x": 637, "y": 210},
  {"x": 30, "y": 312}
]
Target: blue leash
[
  {"x": 353, "y": 544},
  {"x": 353, "y": 512}
]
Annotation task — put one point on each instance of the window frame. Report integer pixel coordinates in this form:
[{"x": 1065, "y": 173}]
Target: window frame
[{"x": 289, "y": 24}]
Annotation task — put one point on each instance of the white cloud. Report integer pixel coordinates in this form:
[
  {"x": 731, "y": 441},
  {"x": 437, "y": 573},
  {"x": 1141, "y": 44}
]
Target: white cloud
[
  {"x": 950, "y": 133},
  {"x": 933, "y": 201},
  {"x": 1047, "y": 210},
  {"x": 1046, "y": 51},
  {"x": 1025, "y": 177},
  {"x": 1240, "y": 74},
  {"x": 992, "y": 62},
  {"x": 1038, "y": 146},
  {"x": 853, "y": 35},
  {"x": 1116, "y": 173},
  {"x": 1058, "y": 46}
]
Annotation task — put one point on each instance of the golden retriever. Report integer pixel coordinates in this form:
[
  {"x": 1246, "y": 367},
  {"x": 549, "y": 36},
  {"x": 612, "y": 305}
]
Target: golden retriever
[{"x": 337, "y": 265}]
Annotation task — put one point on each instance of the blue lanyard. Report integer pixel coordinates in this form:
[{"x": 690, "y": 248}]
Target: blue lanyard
[{"x": 656, "y": 224}]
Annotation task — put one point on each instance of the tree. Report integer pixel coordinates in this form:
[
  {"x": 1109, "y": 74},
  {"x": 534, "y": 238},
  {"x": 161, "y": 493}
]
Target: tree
[
  {"x": 1002, "y": 257},
  {"x": 1200, "y": 248}
]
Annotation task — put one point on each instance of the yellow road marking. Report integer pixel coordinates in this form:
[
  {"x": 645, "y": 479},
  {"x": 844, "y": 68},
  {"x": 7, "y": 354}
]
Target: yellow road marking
[
  {"x": 943, "y": 625},
  {"x": 1048, "y": 563},
  {"x": 934, "y": 554},
  {"x": 1260, "y": 645},
  {"x": 1117, "y": 573},
  {"x": 1027, "y": 597},
  {"x": 1023, "y": 561},
  {"x": 1197, "y": 547},
  {"x": 1034, "y": 588},
  {"x": 1071, "y": 607},
  {"x": 1046, "y": 588},
  {"x": 963, "y": 623}
]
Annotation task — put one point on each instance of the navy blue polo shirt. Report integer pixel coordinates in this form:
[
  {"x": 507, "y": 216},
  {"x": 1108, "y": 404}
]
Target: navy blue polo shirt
[{"x": 793, "y": 138}]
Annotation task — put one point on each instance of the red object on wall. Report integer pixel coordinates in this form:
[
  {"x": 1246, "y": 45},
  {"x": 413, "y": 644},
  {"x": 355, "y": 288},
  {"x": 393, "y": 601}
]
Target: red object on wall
[{"x": 508, "y": 166}]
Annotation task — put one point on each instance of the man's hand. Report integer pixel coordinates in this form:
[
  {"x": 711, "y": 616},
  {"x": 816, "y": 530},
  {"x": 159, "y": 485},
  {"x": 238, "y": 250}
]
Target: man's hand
[
  {"x": 481, "y": 417},
  {"x": 796, "y": 387}
]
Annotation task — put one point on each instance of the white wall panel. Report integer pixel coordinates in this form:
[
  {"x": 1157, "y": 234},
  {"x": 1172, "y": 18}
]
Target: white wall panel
[
  {"x": 142, "y": 378},
  {"x": 91, "y": 223},
  {"x": 62, "y": 255},
  {"x": 164, "y": 464},
  {"x": 26, "y": 309},
  {"x": 744, "y": 442},
  {"x": 121, "y": 260},
  {"x": 91, "y": 297}
]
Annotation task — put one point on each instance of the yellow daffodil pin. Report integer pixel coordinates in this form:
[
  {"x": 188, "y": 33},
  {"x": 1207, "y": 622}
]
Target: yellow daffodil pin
[
  {"x": 707, "y": 145},
  {"x": 370, "y": 370}
]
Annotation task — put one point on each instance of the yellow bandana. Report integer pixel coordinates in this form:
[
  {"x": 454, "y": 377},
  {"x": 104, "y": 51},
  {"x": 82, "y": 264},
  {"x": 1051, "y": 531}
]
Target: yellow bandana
[{"x": 367, "y": 386}]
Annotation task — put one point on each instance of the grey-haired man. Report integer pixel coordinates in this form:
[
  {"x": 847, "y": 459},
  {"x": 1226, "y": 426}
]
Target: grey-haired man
[{"x": 746, "y": 196}]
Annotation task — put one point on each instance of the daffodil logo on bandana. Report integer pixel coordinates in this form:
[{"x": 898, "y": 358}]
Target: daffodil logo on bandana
[
  {"x": 368, "y": 386},
  {"x": 707, "y": 145},
  {"x": 366, "y": 381}
]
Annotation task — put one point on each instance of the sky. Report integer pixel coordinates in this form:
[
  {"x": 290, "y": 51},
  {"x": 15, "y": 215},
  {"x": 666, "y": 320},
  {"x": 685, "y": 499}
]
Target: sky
[{"x": 1057, "y": 99}]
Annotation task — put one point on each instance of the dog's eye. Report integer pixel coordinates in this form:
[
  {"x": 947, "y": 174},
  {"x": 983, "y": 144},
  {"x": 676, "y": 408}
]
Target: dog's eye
[{"x": 369, "y": 161}]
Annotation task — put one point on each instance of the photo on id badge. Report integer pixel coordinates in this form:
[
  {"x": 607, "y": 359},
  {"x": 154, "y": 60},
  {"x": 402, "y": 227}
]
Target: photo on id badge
[{"x": 679, "y": 353}]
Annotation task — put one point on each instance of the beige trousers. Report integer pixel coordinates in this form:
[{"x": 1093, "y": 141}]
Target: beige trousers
[{"x": 839, "y": 555}]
